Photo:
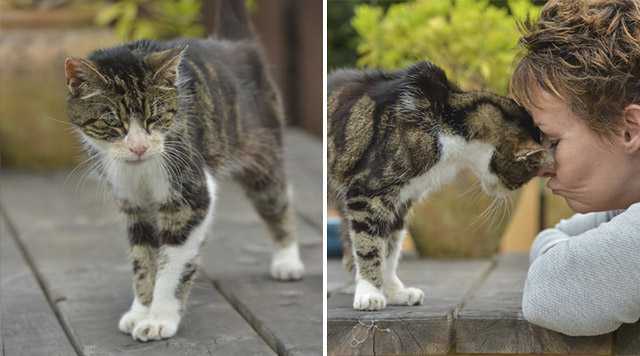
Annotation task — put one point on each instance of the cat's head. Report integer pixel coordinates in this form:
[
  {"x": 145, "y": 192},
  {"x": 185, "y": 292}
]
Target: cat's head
[
  {"x": 124, "y": 103},
  {"x": 519, "y": 154}
]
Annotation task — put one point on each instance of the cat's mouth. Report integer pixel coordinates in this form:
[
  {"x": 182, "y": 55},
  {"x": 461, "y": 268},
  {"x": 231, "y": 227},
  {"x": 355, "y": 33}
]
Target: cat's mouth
[{"x": 136, "y": 162}]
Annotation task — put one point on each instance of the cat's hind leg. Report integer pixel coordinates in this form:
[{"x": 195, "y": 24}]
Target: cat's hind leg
[
  {"x": 393, "y": 288},
  {"x": 182, "y": 224},
  {"x": 371, "y": 220},
  {"x": 368, "y": 253},
  {"x": 269, "y": 194}
]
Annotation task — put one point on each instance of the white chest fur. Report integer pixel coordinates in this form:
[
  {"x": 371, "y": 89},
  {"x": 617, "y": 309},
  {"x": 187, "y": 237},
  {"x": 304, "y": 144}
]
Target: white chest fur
[
  {"x": 140, "y": 184},
  {"x": 456, "y": 153}
]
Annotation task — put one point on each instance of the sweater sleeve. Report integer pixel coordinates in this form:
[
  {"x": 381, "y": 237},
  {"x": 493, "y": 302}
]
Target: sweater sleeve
[
  {"x": 588, "y": 283},
  {"x": 566, "y": 228}
]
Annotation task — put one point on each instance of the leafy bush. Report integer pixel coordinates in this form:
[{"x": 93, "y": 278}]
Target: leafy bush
[
  {"x": 474, "y": 41},
  {"x": 157, "y": 19}
]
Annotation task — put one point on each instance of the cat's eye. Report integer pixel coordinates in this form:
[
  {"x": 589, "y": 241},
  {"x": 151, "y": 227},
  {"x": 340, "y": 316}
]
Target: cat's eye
[
  {"x": 151, "y": 120},
  {"x": 111, "y": 119}
]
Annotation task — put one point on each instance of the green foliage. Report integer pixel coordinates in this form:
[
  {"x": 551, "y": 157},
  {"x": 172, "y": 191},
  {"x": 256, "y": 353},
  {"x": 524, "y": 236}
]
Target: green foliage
[
  {"x": 157, "y": 19},
  {"x": 474, "y": 41},
  {"x": 342, "y": 39}
]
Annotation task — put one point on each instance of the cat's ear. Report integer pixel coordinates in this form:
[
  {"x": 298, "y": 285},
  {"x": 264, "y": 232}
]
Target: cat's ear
[
  {"x": 165, "y": 64},
  {"x": 78, "y": 71}
]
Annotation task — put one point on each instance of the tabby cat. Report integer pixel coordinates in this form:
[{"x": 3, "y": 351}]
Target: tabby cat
[
  {"x": 164, "y": 121},
  {"x": 393, "y": 137}
]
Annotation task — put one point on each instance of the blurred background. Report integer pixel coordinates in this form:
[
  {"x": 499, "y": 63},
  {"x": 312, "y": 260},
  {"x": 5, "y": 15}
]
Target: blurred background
[
  {"x": 475, "y": 42},
  {"x": 37, "y": 35}
]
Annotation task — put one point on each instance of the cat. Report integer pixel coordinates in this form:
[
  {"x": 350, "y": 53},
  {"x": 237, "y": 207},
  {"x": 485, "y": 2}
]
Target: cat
[
  {"x": 163, "y": 123},
  {"x": 393, "y": 137}
]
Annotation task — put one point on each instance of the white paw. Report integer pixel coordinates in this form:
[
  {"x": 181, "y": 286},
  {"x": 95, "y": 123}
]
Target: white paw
[
  {"x": 129, "y": 320},
  {"x": 156, "y": 327},
  {"x": 405, "y": 296},
  {"x": 369, "y": 301},
  {"x": 287, "y": 270},
  {"x": 368, "y": 297},
  {"x": 286, "y": 264}
]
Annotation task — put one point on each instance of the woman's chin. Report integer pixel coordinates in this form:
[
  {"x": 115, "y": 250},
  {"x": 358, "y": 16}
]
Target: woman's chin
[{"x": 577, "y": 206}]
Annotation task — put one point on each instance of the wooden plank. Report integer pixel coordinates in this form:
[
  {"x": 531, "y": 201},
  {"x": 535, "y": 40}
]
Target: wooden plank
[
  {"x": 491, "y": 320},
  {"x": 337, "y": 277},
  {"x": 86, "y": 269},
  {"x": 628, "y": 340},
  {"x": 239, "y": 243},
  {"x": 237, "y": 248},
  {"x": 29, "y": 327},
  {"x": 424, "y": 329},
  {"x": 303, "y": 155},
  {"x": 287, "y": 314}
]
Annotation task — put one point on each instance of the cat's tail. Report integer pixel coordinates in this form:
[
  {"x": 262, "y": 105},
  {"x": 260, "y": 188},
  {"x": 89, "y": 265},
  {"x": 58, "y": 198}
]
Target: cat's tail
[
  {"x": 347, "y": 249},
  {"x": 232, "y": 21}
]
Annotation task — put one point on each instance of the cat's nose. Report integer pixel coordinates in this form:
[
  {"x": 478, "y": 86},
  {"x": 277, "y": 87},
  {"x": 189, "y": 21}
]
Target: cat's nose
[
  {"x": 547, "y": 170},
  {"x": 138, "y": 150}
]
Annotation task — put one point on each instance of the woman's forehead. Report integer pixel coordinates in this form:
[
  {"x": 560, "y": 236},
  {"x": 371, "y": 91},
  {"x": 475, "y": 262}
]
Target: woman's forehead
[{"x": 548, "y": 110}]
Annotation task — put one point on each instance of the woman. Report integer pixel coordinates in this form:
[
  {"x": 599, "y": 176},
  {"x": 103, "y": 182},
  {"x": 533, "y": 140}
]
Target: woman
[{"x": 580, "y": 79}]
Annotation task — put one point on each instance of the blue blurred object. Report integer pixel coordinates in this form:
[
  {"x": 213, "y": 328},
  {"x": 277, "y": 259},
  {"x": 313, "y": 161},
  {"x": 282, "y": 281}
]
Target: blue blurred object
[{"x": 334, "y": 246}]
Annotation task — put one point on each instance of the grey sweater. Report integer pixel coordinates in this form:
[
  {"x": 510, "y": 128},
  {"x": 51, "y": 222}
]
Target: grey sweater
[{"x": 584, "y": 274}]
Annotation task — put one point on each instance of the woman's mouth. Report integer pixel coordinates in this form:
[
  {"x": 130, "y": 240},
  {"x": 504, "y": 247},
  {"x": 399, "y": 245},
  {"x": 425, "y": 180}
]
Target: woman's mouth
[{"x": 554, "y": 189}]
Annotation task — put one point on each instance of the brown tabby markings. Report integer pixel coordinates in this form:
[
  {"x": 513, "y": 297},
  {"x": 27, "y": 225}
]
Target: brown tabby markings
[
  {"x": 211, "y": 118},
  {"x": 144, "y": 272},
  {"x": 383, "y": 131}
]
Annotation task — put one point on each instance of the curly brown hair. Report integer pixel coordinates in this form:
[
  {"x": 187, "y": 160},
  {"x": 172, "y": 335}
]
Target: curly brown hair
[{"x": 585, "y": 52}]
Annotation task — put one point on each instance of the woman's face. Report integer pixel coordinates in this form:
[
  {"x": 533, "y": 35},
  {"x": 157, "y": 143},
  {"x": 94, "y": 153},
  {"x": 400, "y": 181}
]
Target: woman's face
[{"x": 590, "y": 173}]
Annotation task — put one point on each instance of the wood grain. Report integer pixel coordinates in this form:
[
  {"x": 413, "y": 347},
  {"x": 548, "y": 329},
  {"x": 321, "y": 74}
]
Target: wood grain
[
  {"x": 491, "y": 320},
  {"x": 77, "y": 240},
  {"x": 28, "y": 325},
  {"x": 425, "y": 329}
]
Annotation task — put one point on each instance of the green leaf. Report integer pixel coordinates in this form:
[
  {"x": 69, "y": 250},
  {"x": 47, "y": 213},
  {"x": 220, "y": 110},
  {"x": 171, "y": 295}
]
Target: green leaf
[{"x": 109, "y": 13}]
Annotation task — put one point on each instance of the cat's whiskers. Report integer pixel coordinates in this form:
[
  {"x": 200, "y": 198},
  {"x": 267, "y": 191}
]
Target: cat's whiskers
[
  {"x": 172, "y": 172},
  {"x": 473, "y": 190},
  {"x": 484, "y": 216},
  {"x": 78, "y": 167},
  {"x": 92, "y": 168},
  {"x": 110, "y": 166},
  {"x": 176, "y": 156},
  {"x": 69, "y": 127}
]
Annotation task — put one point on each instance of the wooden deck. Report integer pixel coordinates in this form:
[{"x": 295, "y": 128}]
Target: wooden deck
[
  {"x": 65, "y": 279},
  {"x": 471, "y": 307}
]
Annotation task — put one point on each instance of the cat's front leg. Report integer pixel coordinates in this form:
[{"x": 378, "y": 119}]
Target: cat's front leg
[
  {"x": 182, "y": 228},
  {"x": 394, "y": 290},
  {"x": 143, "y": 251}
]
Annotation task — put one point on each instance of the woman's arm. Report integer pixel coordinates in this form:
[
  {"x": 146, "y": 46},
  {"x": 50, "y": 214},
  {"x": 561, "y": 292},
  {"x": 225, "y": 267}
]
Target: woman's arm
[
  {"x": 589, "y": 283},
  {"x": 566, "y": 228}
]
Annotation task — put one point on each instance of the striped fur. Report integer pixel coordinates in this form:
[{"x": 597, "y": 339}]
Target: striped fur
[
  {"x": 208, "y": 109},
  {"x": 395, "y": 136}
]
